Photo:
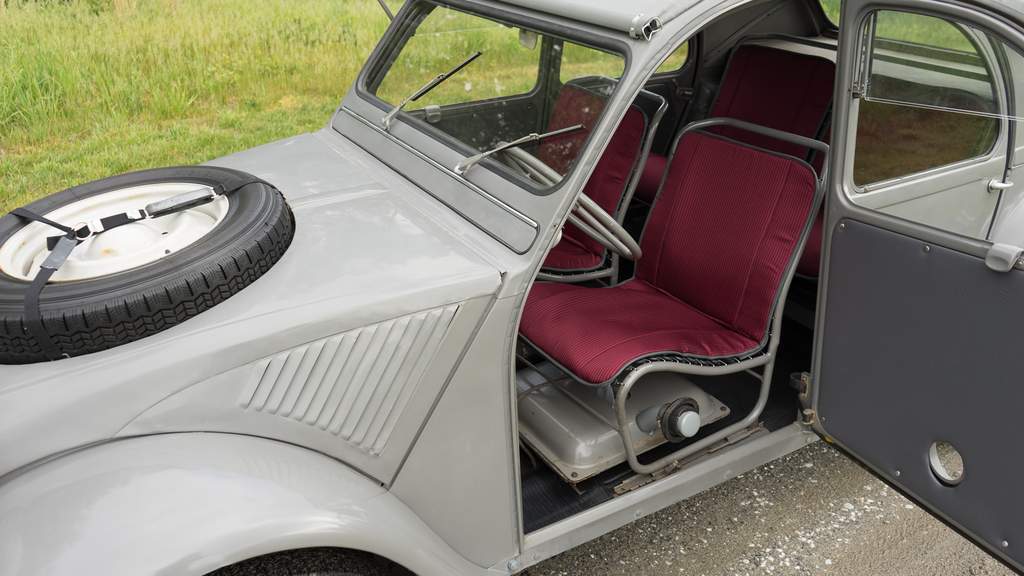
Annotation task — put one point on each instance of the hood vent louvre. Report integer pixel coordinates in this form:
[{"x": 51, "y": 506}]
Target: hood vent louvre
[{"x": 355, "y": 384}]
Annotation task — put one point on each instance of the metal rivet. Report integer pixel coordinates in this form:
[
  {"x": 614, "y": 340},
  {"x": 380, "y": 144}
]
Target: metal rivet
[
  {"x": 1005, "y": 544},
  {"x": 898, "y": 473},
  {"x": 927, "y": 248},
  {"x": 842, "y": 226}
]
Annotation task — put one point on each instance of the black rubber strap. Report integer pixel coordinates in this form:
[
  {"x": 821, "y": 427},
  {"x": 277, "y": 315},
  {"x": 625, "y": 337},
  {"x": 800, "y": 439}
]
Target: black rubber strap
[
  {"x": 59, "y": 254},
  {"x": 26, "y": 214},
  {"x": 33, "y": 316}
]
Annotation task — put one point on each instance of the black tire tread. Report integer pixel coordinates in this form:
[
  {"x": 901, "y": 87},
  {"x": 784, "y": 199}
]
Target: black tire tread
[{"x": 126, "y": 319}]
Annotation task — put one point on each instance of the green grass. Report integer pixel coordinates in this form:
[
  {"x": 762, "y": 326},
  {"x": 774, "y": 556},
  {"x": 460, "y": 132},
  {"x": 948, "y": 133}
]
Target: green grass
[{"x": 90, "y": 89}]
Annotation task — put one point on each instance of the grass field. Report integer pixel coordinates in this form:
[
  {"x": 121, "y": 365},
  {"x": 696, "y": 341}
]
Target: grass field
[{"x": 91, "y": 88}]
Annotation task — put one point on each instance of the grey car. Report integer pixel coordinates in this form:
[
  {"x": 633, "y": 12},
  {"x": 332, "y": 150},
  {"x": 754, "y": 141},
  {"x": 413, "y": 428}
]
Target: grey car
[{"x": 551, "y": 266}]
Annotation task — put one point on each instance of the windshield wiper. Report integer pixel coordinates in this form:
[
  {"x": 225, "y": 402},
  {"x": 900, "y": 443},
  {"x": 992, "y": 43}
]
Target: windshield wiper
[
  {"x": 469, "y": 162},
  {"x": 434, "y": 83}
]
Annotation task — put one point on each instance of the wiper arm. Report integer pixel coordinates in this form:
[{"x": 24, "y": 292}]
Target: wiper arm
[
  {"x": 468, "y": 163},
  {"x": 434, "y": 83}
]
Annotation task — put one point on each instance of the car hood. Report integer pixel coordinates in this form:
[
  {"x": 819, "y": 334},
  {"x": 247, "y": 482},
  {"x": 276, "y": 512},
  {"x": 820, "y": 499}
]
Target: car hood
[{"x": 368, "y": 246}]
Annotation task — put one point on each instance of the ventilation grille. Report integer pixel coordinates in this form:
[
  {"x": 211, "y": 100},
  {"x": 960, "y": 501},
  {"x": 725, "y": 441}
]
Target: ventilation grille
[{"x": 355, "y": 384}]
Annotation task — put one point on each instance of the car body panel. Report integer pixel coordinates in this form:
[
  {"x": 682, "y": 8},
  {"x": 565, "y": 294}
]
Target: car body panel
[
  {"x": 363, "y": 253},
  {"x": 372, "y": 249},
  {"x": 187, "y": 504}
]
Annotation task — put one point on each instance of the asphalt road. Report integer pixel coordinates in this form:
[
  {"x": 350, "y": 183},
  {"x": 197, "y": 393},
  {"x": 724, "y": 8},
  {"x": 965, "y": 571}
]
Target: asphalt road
[{"x": 814, "y": 512}]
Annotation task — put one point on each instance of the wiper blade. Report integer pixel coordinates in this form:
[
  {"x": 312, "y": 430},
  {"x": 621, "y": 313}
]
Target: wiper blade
[
  {"x": 468, "y": 163},
  {"x": 434, "y": 83}
]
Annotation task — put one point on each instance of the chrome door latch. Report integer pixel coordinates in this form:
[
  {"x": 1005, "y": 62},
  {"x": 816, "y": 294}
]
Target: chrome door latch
[{"x": 997, "y": 185}]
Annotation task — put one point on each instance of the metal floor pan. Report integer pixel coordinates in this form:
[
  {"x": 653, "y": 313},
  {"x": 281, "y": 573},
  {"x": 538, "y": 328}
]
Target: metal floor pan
[{"x": 572, "y": 426}]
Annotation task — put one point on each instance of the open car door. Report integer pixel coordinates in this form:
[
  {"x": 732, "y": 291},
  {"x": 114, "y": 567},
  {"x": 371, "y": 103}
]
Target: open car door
[{"x": 921, "y": 305}]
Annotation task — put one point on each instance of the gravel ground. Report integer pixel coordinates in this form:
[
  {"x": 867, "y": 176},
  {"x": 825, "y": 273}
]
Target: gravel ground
[{"x": 813, "y": 512}]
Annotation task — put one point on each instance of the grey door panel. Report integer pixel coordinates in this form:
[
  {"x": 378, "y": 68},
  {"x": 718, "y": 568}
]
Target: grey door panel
[{"x": 920, "y": 345}]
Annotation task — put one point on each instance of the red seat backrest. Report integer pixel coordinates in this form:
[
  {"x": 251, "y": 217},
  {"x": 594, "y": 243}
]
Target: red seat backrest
[
  {"x": 608, "y": 182},
  {"x": 776, "y": 88},
  {"x": 724, "y": 229},
  {"x": 574, "y": 105}
]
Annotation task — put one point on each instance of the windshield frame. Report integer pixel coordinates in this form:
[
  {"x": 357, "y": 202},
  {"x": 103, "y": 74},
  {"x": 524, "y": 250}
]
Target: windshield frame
[{"x": 412, "y": 14}]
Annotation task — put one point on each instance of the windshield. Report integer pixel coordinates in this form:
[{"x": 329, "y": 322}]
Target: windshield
[{"x": 524, "y": 82}]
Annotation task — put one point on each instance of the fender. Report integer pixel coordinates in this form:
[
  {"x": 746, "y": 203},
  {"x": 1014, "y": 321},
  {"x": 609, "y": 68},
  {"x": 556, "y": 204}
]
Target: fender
[{"x": 187, "y": 504}]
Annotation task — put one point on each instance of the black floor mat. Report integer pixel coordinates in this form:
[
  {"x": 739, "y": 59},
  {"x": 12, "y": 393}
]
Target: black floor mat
[{"x": 547, "y": 498}]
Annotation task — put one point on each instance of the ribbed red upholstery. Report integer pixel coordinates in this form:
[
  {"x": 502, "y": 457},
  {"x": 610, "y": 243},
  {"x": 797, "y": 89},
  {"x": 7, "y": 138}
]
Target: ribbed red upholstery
[
  {"x": 577, "y": 251},
  {"x": 596, "y": 332},
  {"x": 572, "y": 255},
  {"x": 720, "y": 238},
  {"x": 650, "y": 179},
  {"x": 574, "y": 105},
  {"x": 775, "y": 88}
]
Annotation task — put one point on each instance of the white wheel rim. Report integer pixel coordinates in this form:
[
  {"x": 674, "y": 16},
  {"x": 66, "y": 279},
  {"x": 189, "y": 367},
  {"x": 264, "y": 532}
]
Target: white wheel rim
[{"x": 117, "y": 250}]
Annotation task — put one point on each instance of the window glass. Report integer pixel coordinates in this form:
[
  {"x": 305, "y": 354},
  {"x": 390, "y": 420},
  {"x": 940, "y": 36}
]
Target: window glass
[
  {"x": 832, "y": 10},
  {"x": 676, "y": 60},
  {"x": 581, "y": 61},
  {"x": 446, "y": 37},
  {"x": 930, "y": 99},
  {"x": 503, "y": 95}
]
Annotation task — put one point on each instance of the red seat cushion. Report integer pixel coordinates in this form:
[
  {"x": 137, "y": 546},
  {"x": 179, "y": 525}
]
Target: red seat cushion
[
  {"x": 596, "y": 332},
  {"x": 650, "y": 178},
  {"x": 607, "y": 183},
  {"x": 570, "y": 255},
  {"x": 721, "y": 236}
]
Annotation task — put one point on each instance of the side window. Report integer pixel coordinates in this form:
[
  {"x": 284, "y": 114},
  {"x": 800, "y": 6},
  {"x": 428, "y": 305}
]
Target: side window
[
  {"x": 676, "y": 60},
  {"x": 930, "y": 99},
  {"x": 832, "y": 10}
]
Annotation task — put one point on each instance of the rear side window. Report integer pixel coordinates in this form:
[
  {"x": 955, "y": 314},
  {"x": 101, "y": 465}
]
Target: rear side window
[
  {"x": 676, "y": 60},
  {"x": 832, "y": 10},
  {"x": 929, "y": 99}
]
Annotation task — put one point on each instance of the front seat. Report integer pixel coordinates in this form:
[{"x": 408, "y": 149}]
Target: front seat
[
  {"x": 719, "y": 251},
  {"x": 577, "y": 256}
]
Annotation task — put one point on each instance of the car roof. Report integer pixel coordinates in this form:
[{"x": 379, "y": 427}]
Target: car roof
[
  {"x": 638, "y": 18},
  {"x": 641, "y": 18}
]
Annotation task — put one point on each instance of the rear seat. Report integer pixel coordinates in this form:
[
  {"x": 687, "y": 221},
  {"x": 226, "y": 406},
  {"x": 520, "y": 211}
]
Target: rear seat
[{"x": 782, "y": 89}]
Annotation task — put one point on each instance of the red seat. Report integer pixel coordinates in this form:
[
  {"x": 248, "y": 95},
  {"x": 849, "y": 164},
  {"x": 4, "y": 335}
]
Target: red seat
[
  {"x": 777, "y": 89},
  {"x": 770, "y": 87},
  {"x": 716, "y": 249},
  {"x": 578, "y": 252},
  {"x": 650, "y": 179}
]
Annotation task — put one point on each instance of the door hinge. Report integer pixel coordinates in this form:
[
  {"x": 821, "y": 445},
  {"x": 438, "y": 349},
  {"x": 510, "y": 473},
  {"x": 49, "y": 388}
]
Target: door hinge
[
  {"x": 810, "y": 417},
  {"x": 801, "y": 382}
]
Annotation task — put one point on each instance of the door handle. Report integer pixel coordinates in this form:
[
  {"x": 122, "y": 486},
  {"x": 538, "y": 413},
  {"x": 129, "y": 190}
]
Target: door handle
[{"x": 997, "y": 185}]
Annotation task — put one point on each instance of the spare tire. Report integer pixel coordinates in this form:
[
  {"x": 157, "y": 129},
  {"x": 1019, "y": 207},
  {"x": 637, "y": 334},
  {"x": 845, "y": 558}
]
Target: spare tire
[{"x": 137, "y": 280}]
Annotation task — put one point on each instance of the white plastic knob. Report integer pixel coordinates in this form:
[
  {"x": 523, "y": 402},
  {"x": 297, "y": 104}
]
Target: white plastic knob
[{"x": 688, "y": 424}]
